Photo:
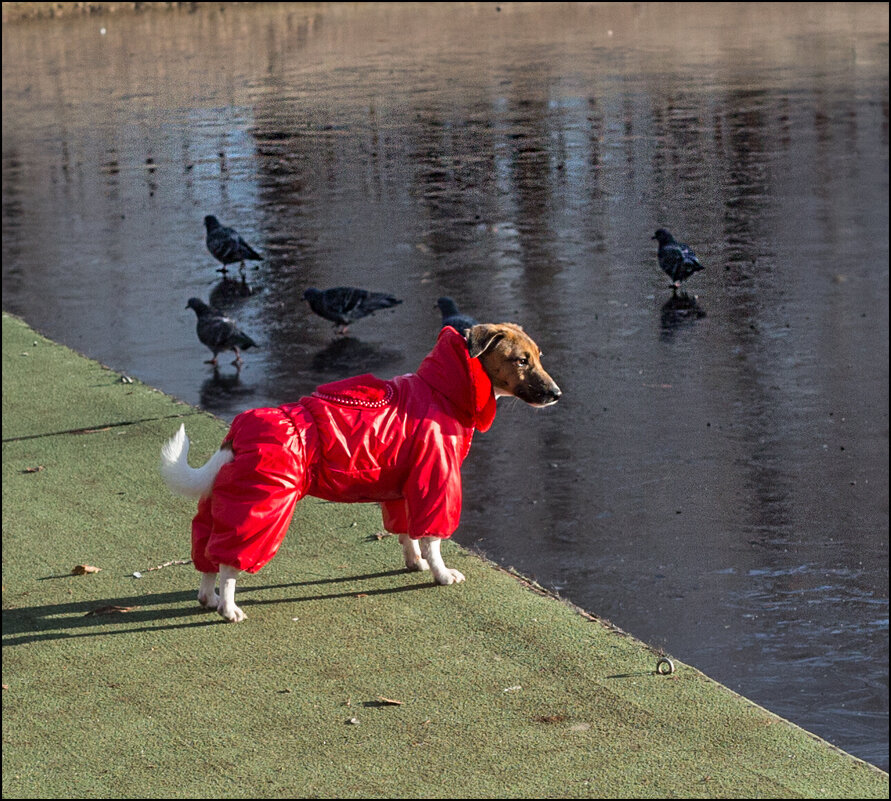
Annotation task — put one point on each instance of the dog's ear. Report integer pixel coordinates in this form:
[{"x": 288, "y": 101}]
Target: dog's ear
[{"x": 481, "y": 337}]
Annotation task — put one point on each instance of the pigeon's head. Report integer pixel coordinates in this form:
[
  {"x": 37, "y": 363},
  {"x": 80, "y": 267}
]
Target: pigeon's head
[
  {"x": 447, "y": 306},
  {"x": 663, "y": 236},
  {"x": 197, "y": 304},
  {"x": 211, "y": 222},
  {"x": 310, "y": 294}
]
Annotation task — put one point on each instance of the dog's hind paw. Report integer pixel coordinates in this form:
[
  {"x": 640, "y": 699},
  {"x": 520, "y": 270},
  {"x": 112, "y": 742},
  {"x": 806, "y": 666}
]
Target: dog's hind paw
[
  {"x": 419, "y": 564},
  {"x": 233, "y": 614},
  {"x": 450, "y": 576},
  {"x": 209, "y": 602}
]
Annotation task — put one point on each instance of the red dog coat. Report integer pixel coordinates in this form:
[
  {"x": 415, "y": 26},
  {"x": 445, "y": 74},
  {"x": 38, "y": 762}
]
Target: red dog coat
[{"x": 400, "y": 443}]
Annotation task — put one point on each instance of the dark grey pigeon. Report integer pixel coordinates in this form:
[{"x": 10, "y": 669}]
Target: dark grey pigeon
[
  {"x": 451, "y": 316},
  {"x": 218, "y": 332},
  {"x": 346, "y": 304},
  {"x": 677, "y": 259},
  {"x": 226, "y": 244}
]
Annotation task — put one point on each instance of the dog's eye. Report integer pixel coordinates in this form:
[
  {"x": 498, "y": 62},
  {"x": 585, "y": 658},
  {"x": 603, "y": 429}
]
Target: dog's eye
[{"x": 522, "y": 361}]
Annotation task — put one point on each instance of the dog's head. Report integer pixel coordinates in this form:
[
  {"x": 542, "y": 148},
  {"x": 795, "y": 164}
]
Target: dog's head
[{"x": 512, "y": 361}]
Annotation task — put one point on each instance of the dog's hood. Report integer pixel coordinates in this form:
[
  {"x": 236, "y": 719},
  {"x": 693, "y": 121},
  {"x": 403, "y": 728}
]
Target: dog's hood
[{"x": 450, "y": 370}]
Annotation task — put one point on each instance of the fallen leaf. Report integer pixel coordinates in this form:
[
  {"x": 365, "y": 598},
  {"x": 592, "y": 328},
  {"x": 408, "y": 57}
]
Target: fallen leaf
[
  {"x": 109, "y": 610},
  {"x": 361, "y": 594},
  {"x": 34, "y": 469},
  {"x": 81, "y": 570}
]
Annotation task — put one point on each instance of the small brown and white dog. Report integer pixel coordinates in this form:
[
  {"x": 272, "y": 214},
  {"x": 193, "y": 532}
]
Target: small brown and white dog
[{"x": 399, "y": 442}]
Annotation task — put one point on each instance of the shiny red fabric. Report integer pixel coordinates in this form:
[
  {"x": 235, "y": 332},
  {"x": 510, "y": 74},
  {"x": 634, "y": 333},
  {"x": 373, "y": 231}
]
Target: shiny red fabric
[{"x": 400, "y": 443}]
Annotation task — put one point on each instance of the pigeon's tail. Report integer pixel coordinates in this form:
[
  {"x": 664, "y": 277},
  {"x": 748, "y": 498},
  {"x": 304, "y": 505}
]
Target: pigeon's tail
[
  {"x": 377, "y": 302},
  {"x": 245, "y": 342},
  {"x": 182, "y": 479},
  {"x": 249, "y": 253}
]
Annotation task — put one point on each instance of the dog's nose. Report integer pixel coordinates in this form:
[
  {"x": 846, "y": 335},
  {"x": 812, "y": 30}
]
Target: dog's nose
[{"x": 556, "y": 393}]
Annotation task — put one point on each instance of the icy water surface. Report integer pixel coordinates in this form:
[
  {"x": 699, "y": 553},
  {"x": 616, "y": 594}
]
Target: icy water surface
[{"x": 715, "y": 478}]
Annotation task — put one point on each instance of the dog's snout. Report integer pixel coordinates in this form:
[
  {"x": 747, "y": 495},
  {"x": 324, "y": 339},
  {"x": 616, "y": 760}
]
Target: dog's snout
[
  {"x": 551, "y": 394},
  {"x": 544, "y": 394}
]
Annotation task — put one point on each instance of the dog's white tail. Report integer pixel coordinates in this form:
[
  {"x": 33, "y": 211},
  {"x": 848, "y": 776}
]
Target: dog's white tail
[{"x": 182, "y": 479}]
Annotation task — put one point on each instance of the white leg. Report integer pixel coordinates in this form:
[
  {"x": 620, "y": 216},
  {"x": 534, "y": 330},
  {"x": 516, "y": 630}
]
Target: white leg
[
  {"x": 227, "y": 607},
  {"x": 207, "y": 593},
  {"x": 411, "y": 552},
  {"x": 430, "y": 551}
]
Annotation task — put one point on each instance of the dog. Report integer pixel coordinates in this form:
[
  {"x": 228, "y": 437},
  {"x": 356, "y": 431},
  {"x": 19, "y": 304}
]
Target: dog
[{"x": 399, "y": 443}]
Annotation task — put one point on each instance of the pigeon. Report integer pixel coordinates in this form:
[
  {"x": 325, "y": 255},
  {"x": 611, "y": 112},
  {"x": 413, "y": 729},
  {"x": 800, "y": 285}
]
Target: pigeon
[
  {"x": 677, "y": 259},
  {"x": 226, "y": 244},
  {"x": 451, "y": 316},
  {"x": 218, "y": 332},
  {"x": 346, "y": 304}
]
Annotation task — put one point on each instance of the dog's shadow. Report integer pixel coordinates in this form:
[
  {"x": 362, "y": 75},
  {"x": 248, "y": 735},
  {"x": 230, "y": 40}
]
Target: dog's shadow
[
  {"x": 334, "y": 595},
  {"x": 141, "y": 613}
]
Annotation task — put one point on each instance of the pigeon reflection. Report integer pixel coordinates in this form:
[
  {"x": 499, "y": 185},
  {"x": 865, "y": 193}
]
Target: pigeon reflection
[
  {"x": 349, "y": 354},
  {"x": 679, "y": 311},
  {"x": 218, "y": 391},
  {"x": 229, "y": 293}
]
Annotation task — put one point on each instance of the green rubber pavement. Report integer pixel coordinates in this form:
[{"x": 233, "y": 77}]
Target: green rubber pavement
[{"x": 117, "y": 686}]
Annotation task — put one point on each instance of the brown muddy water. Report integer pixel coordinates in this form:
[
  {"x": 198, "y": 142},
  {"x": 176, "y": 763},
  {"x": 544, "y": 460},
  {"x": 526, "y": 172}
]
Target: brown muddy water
[{"x": 715, "y": 478}]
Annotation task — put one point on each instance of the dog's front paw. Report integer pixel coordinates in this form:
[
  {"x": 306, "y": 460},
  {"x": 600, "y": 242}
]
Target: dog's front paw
[
  {"x": 449, "y": 576},
  {"x": 232, "y": 613}
]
